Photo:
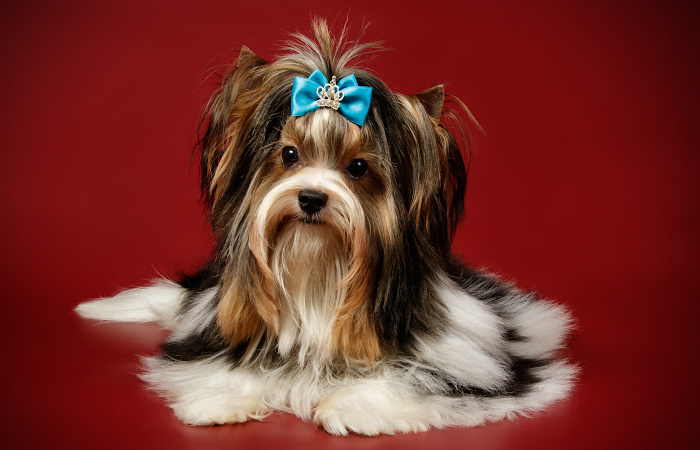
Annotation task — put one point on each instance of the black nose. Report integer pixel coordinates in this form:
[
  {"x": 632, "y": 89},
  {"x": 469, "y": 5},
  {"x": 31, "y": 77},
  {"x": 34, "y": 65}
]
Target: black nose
[{"x": 311, "y": 201}]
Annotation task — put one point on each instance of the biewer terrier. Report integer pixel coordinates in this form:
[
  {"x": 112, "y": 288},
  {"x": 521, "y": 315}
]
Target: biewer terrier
[{"x": 333, "y": 294}]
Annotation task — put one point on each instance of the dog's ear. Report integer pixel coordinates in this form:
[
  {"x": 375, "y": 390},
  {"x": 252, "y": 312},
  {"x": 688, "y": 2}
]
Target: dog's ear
[
  {"x": 433, "y": 100},
  {"x": 437, "y": 166},
  {"x": 248, "y": 58},
  {"x": 227, "y": 111}
]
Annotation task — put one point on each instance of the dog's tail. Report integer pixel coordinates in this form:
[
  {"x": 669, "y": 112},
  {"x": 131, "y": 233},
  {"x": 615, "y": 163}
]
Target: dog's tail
[{"x": 158, "y": 302}]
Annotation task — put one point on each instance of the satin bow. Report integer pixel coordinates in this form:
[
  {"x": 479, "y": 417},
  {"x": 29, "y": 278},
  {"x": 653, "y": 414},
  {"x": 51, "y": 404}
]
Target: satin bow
[{"x": 352, "y": 100}]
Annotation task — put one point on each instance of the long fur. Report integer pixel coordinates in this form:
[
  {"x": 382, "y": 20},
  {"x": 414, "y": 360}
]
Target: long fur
[{"x": 357, "y": 316}]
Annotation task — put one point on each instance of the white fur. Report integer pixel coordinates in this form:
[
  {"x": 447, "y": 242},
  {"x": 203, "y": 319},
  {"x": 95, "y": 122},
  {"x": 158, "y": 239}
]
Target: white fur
[
  {"x": 543, "y": 324},
  {"x": 311, "y": 297},
  {"x": 389, "y": 405},
  {"x": 156, "y": 303},
  {"x": 474, "y": 334},
  {"x": 206, "y": 392},
  {"x": 379, "y": 405},
  {"x": 212, "y": 392}
]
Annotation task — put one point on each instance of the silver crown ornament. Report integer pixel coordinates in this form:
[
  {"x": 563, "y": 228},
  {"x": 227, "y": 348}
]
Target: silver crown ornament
[{"x": 329, "y": 95}]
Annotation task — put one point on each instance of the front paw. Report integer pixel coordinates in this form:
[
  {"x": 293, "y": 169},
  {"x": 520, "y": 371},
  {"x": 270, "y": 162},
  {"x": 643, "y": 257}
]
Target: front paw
[
  {"x": 218, "y": 411},
  {"x": 341, "y": 414}
]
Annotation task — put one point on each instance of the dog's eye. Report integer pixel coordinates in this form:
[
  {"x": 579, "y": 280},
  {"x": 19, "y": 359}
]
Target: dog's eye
[
  {"x": 357, "y": 168},
  {"x": 290, "y": 155}
]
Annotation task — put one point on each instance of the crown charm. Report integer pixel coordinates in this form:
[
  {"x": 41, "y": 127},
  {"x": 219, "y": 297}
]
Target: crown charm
[{"x": 329, "y": 95}]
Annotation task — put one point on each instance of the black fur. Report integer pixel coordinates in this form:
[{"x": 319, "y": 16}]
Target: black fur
[
  {"x": 521, "y": 381},
  {"x": 195, "y": 346},
  {"x": 404, "y": 302},
  {"x": 207, "y": 277}
]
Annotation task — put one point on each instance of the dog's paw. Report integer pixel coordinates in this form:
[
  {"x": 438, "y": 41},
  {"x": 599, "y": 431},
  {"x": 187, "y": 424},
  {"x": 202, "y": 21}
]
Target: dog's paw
[
  {"x": 354, "y": 411},
  {"x": 219, "y": 411},
  {"x": 341, "y": 422}
]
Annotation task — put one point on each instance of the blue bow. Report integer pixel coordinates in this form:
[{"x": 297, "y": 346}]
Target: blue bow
[{"x": 349, "y": 99}]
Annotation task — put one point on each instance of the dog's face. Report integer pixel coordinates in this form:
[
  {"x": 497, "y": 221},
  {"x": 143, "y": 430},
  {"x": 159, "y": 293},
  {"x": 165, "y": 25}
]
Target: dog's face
[
  {"x": 326, "y": 171},
  {"x": 325, "y": 195},
  {"x": 316, "y": 209}
]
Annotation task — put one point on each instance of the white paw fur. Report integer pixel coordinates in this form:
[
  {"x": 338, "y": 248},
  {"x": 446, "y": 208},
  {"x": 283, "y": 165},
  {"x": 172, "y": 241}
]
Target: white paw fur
[
  {"x": 370, "y": 408},
  {"x": 218, "y": 410},
  {"x": 207, "y": 392}
]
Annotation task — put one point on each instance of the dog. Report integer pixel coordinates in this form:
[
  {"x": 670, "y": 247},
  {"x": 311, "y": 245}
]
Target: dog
[{"x": 332, "y": 293}]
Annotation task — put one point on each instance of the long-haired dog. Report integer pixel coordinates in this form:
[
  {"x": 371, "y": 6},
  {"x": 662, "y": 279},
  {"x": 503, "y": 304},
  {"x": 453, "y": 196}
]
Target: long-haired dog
[{"x": 333, "y": 294}]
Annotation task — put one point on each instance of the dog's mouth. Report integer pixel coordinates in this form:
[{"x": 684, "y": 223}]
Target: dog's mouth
[
  {"x": 302, "y": 219},
  {"x": 310, "y": 219}
]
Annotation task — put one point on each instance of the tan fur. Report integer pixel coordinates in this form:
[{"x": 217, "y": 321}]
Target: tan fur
[
  {"x": 355, "y": 337},
  {"x": 237, "y": 317}
]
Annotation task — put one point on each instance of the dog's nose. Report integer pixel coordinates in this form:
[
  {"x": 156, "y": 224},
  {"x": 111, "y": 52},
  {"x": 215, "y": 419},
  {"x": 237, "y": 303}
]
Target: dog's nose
[{"x": 311, "y": 201}]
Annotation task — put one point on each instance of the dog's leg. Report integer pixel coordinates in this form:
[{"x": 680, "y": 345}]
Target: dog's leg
[
  {"x": 207, "y": 392},
  {"x": 374, "y": 406},
  {"x": 159, "y": 302},
  {"x": 202, "y": 385}
]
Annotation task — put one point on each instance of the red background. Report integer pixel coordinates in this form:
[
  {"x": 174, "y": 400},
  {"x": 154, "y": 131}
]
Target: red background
[{"x": 584, "y": 188}]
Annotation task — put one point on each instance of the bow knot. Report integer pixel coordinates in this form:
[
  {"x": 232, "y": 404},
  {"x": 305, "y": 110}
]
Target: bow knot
[{"x": 346, "y": 97}]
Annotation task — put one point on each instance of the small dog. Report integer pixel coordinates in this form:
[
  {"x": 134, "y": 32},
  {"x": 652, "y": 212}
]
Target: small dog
[{"x": 333, "y": 294}]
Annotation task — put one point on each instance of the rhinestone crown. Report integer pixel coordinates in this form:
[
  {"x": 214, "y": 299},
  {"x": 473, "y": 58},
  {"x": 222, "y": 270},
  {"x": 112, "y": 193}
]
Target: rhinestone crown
[{"x": 329, "y": 95}]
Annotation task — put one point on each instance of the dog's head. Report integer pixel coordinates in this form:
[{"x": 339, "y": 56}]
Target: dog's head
[{"x": 316, "y": 208}]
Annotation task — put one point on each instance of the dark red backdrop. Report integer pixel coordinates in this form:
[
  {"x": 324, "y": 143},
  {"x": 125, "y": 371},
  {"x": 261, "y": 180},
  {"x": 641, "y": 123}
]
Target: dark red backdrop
[{"x": 584, "y": 188}]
